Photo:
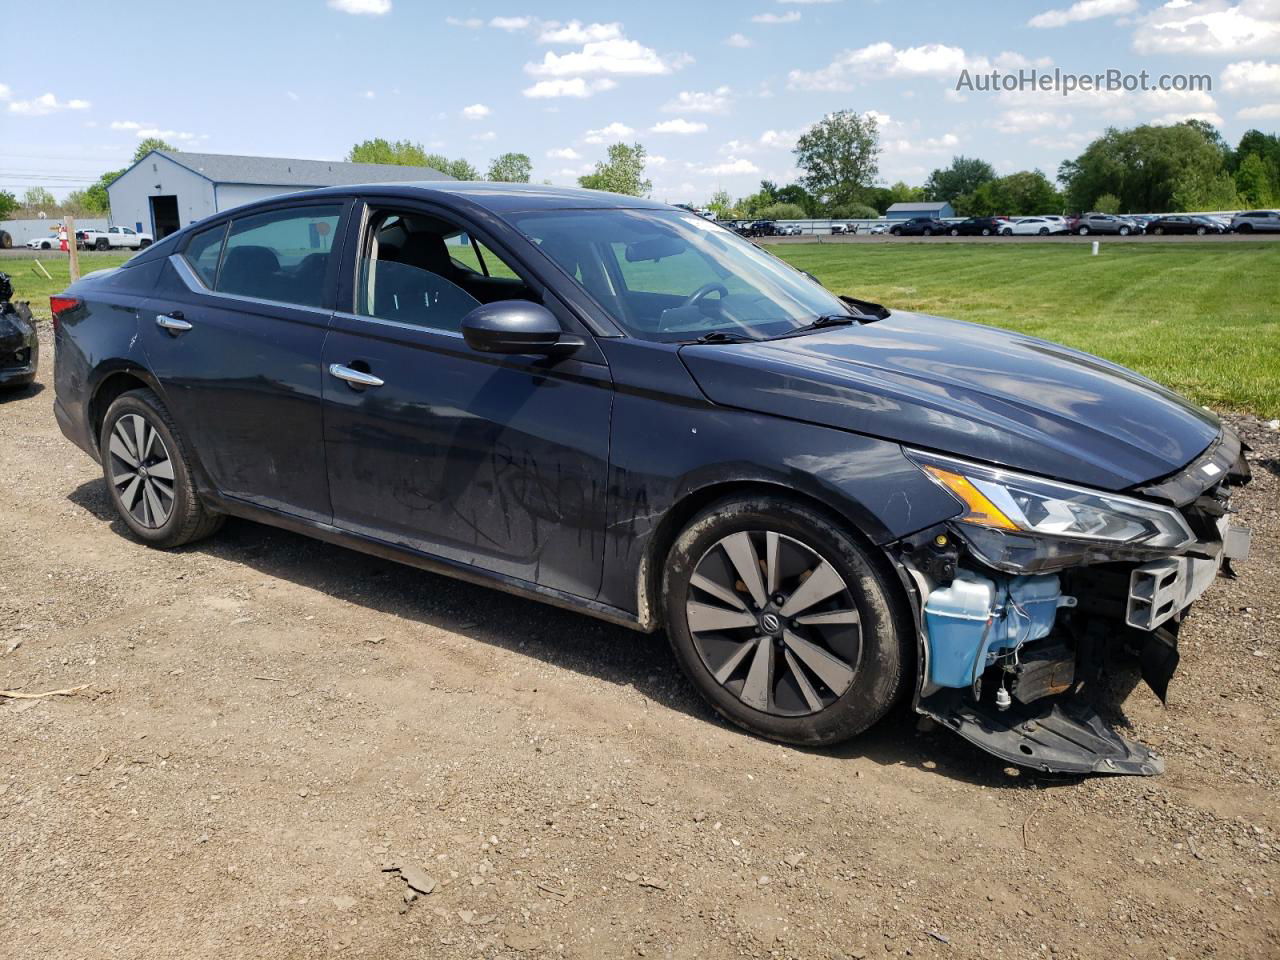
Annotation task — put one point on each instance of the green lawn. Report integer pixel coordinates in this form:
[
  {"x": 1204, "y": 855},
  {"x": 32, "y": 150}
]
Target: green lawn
[
  {"x": 30, "y": 284},
  {"x": 1202, "y": 318}
]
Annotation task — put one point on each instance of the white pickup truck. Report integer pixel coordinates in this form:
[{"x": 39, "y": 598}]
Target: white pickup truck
[{"x": 113, "y": 237}]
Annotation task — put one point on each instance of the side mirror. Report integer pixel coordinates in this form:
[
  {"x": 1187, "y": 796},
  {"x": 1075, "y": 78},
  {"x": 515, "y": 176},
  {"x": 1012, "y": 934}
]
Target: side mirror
[{"x": 517, "y": 326}]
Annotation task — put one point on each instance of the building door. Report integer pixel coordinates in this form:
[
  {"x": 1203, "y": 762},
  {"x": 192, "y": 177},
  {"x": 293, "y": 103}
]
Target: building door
[{"x": 164, "y": 216}]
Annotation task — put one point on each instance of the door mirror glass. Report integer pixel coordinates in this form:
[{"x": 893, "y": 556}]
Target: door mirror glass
[{"x": 516, "y": 326}]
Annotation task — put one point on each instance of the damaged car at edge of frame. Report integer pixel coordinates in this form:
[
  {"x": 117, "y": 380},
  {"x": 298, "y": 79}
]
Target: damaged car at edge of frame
[
  {"x": 619, "y": 407},
  {"x": 19, "y": 343}
]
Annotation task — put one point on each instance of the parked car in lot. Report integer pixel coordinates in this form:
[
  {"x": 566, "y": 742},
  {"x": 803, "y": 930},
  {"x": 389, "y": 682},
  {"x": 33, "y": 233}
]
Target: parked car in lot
[
  {"x": 787, "y": 230},
  {"x": 19, "y": 343},
  {"x": 1105, "y": 223},
  {"x": 1260, "y": 221},
  {"x": 1182, "y": 223},
  {"x": 1032, "y": 226},
  {"x": 614, "y": 406},
  {"x": 114, "y": 238},
  {"x": 49, "y": 242},
  {"x": 919, "y": 227},
  {"x": 975, "y": 227}
]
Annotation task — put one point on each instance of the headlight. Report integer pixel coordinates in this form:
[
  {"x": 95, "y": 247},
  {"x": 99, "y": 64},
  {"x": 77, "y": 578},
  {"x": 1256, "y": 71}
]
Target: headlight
[{"x": 1025, "y": 524}]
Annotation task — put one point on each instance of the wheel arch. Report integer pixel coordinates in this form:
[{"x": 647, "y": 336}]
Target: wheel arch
[{"x": 649, "y": 608}]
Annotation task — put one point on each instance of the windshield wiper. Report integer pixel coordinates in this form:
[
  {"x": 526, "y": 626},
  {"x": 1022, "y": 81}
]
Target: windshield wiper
[
  {"x": 821, "y": 322},
  {"x": 719, "y": 336}
]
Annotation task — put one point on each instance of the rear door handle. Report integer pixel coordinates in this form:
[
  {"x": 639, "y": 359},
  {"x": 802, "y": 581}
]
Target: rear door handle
[
  {"x": 172, "y": 322},
  {"x": 357, "y": 378}
]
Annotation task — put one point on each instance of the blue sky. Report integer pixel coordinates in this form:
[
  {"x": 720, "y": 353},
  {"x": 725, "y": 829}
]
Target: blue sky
[{"x": 716, "y": 91}]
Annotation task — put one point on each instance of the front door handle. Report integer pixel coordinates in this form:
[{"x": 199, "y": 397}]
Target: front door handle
[
  {"x": 172, "y": 322},
  {"x": 357, "y": 378}
]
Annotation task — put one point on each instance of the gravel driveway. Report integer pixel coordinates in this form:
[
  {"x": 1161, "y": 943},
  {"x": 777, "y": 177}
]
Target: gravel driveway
[{"x": 268, "y": 724}]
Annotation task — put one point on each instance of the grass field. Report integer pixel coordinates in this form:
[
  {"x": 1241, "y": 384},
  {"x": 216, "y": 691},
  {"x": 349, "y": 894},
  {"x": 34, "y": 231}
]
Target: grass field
[
  {"x": 30, "y": 284},
  {"x": 1203, "y": 319},
  {"x": 1200, "y": 318}
]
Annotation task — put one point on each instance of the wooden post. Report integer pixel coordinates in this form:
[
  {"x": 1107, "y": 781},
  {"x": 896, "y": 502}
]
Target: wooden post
[{"x": 69, "y": 223}]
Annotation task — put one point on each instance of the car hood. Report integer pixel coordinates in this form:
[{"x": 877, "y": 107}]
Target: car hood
[{"x": 968, "y": 390}]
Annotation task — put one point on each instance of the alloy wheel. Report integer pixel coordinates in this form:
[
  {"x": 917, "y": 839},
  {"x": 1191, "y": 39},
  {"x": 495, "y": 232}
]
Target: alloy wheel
[
  {"x": 141, "y": 470},
  {"x": 774, "y": 623}
]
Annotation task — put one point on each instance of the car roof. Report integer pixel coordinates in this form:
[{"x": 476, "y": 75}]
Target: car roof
[{"x": 499, "y": 198}]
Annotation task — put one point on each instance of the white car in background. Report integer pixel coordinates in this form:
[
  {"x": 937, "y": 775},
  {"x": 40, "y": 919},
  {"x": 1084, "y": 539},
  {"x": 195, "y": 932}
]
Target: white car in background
[
  {"x": 49, "y": 242},
  {"x": 1033, "y": 226}
]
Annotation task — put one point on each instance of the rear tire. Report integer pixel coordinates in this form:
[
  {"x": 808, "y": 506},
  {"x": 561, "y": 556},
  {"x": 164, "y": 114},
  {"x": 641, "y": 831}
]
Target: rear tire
[
  {"x": 143, "y": 244},
  {"x": 1201, "y": 231},
  {"x": 153, "y": 491},
  {"x": 101, "y": 243},
  {"x": 1083, "y": 231},
  {"x": 830, "y": 667}
]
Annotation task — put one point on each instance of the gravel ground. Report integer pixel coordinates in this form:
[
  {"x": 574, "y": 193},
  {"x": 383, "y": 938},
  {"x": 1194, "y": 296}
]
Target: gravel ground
[{"x": 270, "y": 722}]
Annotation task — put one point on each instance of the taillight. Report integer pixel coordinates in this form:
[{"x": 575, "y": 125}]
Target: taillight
[{"x": 59, "y": 305}]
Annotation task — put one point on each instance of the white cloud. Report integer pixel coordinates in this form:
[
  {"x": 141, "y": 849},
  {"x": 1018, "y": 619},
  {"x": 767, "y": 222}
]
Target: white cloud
[
  {"x": 575, "y": 32},
  {"x": 1176, "y": 100},
  {"x": 126, "y": 125},
  {"x": 5, "y": 92},
  {"x": 1177, "y": 116},
  {"x": 738, "y": 40},
  {"x": 614, "y": 131},
  {"x": 808, "y": 2},
  {"x": 679, "y": 125},
  {"x": 180, "y": 136},
  {"x": 884, "y": 57},
  {"x": 369, "y": 95},
  {"x": 1210, "y": 27},
  {"x": 569, "y": 87},
  {"x": 1023, "y": 121},
  {"x": 733, "y": 165},
  {"x": 780, "y": 139},
  {"x": 477, "y": 111},
  {"x": 487, "y": 135},
  {"x": 291, "y": 95},
  {"x": 618, "y": 57},
  {"x": 1250, "y": 76},
  {"x": 44, "y": 104},
  {"x": 942, "y": 144},
  {"x": 687, "y": 101},
  {"x": 511, "y": 24},
  {"x": 1268, "y": 111},
  {"x": 791, "y": 16},
  {"x": 565, "y": 153},
  {"x": 470, "y": 23},
  {"x": 372, "y": 8},
  {"x": 1084, "y": 10}
]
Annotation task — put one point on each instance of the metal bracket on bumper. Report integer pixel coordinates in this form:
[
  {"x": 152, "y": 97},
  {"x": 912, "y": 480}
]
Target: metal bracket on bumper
[{"x": 1057, "y": 735}]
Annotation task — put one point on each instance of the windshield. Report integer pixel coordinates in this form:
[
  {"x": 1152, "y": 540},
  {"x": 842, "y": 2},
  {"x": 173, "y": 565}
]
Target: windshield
[{"x": 673, "y": 276}]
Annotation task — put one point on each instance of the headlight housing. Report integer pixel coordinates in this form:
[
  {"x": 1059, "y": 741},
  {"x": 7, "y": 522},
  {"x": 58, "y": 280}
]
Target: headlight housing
[{"x": 1025, "y": 524}]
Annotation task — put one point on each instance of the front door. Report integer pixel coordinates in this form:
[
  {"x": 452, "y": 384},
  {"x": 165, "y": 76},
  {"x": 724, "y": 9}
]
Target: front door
[
  {"x": 495, "y": 461},
  {"x": 235, "y": 337}
]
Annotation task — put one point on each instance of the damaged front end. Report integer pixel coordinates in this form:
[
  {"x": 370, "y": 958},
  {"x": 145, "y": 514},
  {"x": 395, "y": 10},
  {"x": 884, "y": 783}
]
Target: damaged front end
[
  {"x": 1035, "y": 595},
  {"x": 19, "y": 342}
]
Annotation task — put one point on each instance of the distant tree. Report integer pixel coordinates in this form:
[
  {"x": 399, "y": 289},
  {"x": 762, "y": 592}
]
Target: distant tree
[
  {"x": 8, "y": 204},
  {"x": 720, "y": 204},
  {"x": 1256, "y": 181},
  {"x": 854, "y": 211},
  {"x": 1145, "y": 167},
  {"x": 149, "y": 144},
  {"x": 782, "y": 211},
  {"x": 839, "y": 156},
  {"x": 623, "y": 172},
  {"x": 404, "y": 153},
  {"x": 461, "y": 169},
  {"x": 1206, "y": 190},
  {"x": 964, "y": 175},
  {"x": 794, "y": 193},
  {"x": 36, "y": 198},
  {"x": 96, "y": 199},
  {"x": 1107, "y": 203},
  {"x": 511, "y": 168},
  {"x": 1021, "y": 194}
]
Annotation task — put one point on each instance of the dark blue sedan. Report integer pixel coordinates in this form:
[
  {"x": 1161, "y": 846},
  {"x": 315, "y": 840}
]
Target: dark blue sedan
[{"x": 621, "y": 407}]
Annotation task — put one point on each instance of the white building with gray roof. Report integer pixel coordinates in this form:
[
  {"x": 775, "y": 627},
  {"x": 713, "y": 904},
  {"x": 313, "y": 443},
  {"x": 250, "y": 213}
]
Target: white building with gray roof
[{"x": 168, "y": 189}]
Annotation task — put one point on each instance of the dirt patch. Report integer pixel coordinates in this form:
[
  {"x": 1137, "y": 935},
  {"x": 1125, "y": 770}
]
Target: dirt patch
[{"x": 278, "y": 734}]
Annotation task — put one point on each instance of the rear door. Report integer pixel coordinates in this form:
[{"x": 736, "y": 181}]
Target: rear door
[
  {"x": 497, "y": 462},
  {"x": 235, "y": 336}
]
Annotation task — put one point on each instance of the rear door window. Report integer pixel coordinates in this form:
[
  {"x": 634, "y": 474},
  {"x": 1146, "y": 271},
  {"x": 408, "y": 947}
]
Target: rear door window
[{"x": 282, "y": 255}]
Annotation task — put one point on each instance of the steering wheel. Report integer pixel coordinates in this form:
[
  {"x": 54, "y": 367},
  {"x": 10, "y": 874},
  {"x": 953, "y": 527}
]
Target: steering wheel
[{"x": 698, "y": 295}]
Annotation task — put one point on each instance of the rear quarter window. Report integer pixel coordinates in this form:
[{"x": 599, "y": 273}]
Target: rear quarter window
[{"x": 204, "y": 249}]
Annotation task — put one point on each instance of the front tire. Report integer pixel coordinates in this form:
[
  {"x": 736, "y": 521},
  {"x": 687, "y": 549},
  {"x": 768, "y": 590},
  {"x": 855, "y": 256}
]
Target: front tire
[
  {"x": 147, "y": 470},
  {"x": 782, "y": 621}
]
